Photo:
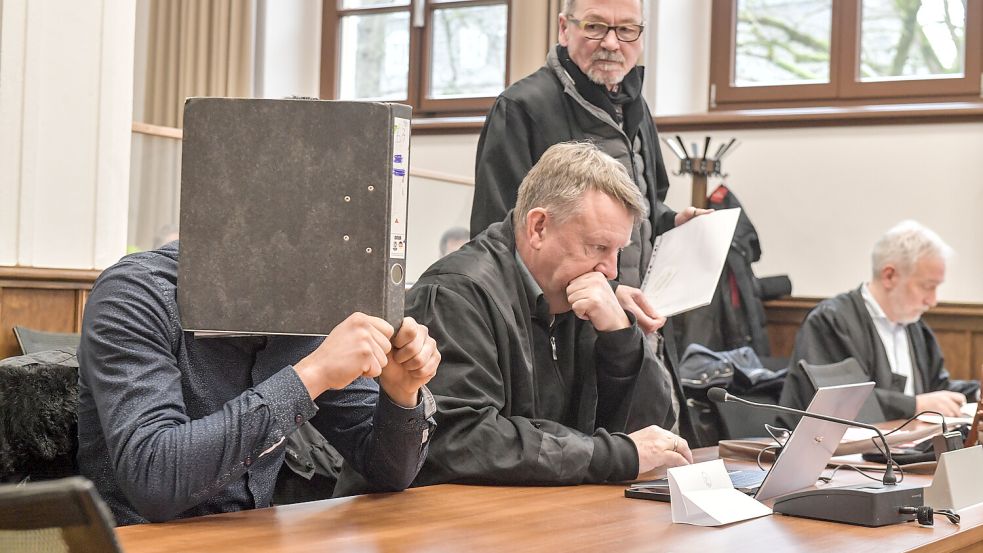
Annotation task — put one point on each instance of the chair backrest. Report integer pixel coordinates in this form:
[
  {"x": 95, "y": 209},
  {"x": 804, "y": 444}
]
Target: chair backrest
[
  {"x": 847, "y": 371},
  {"x": 57, "y": 515},
  {"x": 34, "y": 341}
]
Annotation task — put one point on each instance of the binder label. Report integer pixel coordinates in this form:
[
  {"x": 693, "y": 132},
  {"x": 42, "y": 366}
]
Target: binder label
[{"x": 400, "y": 188}]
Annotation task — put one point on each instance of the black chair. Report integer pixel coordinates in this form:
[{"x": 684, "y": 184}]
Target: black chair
[
  {"x": 847, "y": 371},
  {"x": 57, "y": 515},
  {"x": 34, "y": 341}
]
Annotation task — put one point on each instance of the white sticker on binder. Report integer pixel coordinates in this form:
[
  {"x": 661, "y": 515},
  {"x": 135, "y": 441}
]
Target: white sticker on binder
[{"x": 400, "y": 188}]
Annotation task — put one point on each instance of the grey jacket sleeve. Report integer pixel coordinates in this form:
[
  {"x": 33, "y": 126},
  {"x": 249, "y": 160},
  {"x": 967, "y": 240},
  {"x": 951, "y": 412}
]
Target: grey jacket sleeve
[{"x": 383, "y": 442}]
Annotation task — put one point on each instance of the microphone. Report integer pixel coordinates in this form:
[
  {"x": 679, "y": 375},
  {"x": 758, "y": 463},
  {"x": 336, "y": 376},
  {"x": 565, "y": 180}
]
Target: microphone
[{"x": 720, "y": 395}]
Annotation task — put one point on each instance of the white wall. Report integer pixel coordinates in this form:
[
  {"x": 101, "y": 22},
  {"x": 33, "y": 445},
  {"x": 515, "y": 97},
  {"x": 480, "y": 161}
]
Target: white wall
[
  {"x": 65, "y": 105},
  {"x": 288, "y": 48},
  {"x": 678, "y": 40},
  {"x": 437, "y": 206},
  {"x": 821, "y": 197}
]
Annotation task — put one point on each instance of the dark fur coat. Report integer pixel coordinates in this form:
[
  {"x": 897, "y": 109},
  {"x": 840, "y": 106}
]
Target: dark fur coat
[{"x": 38, "y": 415}]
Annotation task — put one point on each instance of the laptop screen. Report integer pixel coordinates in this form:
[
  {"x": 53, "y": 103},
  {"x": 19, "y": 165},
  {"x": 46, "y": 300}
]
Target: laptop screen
[{"x": 813, "y": 442}]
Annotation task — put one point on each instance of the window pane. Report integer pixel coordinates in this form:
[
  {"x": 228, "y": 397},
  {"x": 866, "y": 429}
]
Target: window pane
[
  {"x": 911, "y": 40},
  {"x": 374, "y": 56},
  {"x": 468, "y": 57},
  {"x": 350, "y": 4},
  {"x": 782, "y": 42}
]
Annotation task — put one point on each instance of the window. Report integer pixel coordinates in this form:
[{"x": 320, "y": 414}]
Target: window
[
  {"x": 440, "y": 56},
  {"x": 842, "y": 52}
]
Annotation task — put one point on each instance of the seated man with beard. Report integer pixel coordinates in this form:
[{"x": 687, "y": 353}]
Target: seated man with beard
[{"x": 879, "y": 325}]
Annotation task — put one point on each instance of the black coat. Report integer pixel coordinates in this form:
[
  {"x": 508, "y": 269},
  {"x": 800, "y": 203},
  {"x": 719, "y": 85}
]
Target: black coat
[
  {"x": 501, "y": 420},
  {"x": 840, "y": 327},
  {"x": 736, "y": 316},
  {"x": 529, "y": 117}
]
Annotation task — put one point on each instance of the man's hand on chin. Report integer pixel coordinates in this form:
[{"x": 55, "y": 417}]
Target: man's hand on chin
[
  {"x": 634, "y": 300},
  {"x": 591, "y": 298}
]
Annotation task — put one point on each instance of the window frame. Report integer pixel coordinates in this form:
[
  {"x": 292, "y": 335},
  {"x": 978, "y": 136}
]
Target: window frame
[
  {"x": 844, "y": 88},
  {"x": 420, "y": 48}
]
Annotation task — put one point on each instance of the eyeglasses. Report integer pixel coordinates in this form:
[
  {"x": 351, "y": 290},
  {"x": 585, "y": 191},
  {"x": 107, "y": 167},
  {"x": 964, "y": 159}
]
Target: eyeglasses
[{"x": 595, "y": 30}]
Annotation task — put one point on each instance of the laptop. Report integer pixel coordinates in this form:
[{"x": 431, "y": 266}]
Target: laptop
[{"x": 804, "y": 455}]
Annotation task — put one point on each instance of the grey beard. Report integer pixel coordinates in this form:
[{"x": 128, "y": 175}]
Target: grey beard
[{"x": 598, "y": 77}]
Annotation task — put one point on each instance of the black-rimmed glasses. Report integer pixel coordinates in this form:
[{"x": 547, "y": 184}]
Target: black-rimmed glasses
[{"x": 595, "y": 30}]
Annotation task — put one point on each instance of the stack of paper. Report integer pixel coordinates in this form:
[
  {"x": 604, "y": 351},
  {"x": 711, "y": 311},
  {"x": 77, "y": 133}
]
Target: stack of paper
[{"x": 687, "y": 261}]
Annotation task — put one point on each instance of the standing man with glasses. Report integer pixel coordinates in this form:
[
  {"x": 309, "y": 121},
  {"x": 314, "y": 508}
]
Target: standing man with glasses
[{"x": 589, "y": 89}]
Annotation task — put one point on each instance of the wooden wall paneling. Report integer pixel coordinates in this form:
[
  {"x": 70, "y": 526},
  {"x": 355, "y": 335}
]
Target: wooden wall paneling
[
  {"x": 976, "y": 358},
  {"x": 784, "y": 317},
  {"x": 41, "y": 309},
  {"x": 958, "y": 328},
  {"x": 956, "y": 346},
  {"x": 782, "y": 338},
  {"x": 43, "y": 299}
]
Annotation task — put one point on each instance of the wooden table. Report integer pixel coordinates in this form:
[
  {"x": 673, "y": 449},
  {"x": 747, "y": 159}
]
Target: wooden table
[{"x": 455, "y": 518}]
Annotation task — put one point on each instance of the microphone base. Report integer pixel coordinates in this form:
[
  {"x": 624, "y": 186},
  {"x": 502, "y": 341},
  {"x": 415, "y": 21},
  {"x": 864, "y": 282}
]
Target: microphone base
[{"x": 861, "y": 504}]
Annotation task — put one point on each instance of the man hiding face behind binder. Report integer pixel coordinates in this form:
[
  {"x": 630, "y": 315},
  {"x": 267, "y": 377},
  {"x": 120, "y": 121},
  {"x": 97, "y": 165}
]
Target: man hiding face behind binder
[
  {"x": 174, "y": 425},
  {"x": 545, "y": 378}
]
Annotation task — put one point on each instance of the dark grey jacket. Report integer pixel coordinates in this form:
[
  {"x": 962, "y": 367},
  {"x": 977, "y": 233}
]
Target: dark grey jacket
[
  {"x": 511, "y": 411},
  {"x": 544, "y": 109},
  {"x": 172, "y": 426}
]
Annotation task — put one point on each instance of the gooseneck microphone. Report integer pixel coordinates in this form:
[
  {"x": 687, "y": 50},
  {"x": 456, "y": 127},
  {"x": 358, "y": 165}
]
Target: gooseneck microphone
[{"x": 720, "y": 395}]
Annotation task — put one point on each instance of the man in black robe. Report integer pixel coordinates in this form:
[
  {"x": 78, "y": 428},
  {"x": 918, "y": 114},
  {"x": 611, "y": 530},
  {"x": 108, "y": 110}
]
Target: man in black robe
[
  {"x": 879, "y": 324},
  {"x": 545, "y": 378}
]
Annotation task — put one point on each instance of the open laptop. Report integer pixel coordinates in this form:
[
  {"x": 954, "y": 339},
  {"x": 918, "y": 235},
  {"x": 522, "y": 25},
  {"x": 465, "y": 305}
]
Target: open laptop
[
  {"x": 804, "y": 455},
  {"x": 812, "y": 443}
]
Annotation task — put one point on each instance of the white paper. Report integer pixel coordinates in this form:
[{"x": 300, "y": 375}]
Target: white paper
[
  {"x": 703, "y": 495},
  {"x": 855, "y": 434},
  {"x": 687, "y": 261},
  {"x": 967, "y": 413},
  {"x": 935, "y": 419}
]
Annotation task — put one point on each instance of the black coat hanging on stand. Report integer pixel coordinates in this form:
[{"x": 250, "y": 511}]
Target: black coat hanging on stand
[{"x": 735, "y": 317}]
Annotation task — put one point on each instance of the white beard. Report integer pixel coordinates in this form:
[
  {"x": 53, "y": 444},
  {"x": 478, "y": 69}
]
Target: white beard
[{"x": 605, "y": 78}]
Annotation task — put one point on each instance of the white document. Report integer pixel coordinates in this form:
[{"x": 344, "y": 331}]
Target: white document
[
  {"x": 967, "y": 411},
  {"x": 703, "y": 495},
  {"x": 687, "y": 261}
]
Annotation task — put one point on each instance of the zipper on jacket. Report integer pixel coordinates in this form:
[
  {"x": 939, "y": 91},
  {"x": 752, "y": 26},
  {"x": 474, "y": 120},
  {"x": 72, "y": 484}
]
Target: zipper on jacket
[{"x": 553, "y": 338}]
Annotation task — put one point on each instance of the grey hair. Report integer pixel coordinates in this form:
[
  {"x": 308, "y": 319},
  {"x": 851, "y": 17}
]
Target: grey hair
[
  {"x": 565, "y": 172},
  {"x": 904, "y": 245},
  {"x": 570, "y": 5}
]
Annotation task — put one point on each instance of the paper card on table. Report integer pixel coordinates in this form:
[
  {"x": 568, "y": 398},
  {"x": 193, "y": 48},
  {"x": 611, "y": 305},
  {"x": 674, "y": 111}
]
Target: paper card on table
[
  {"x": 703, "y": 495},
  {"x": 687, "y": 261}
]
